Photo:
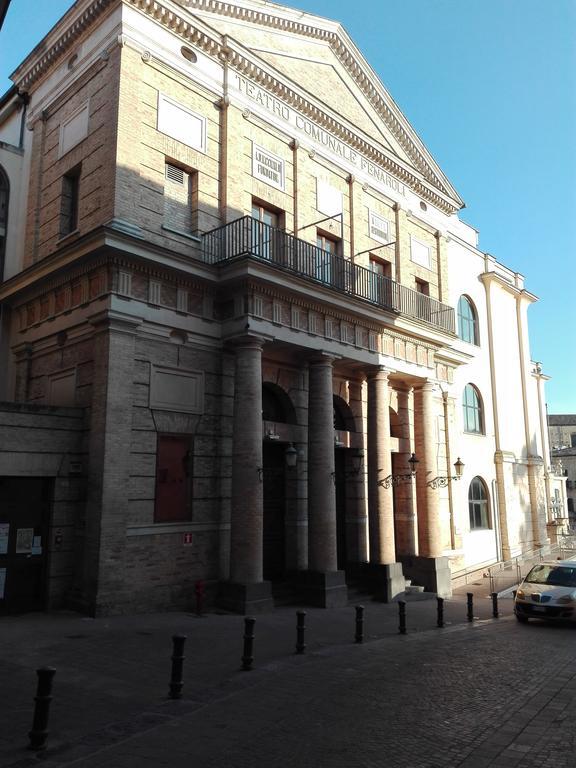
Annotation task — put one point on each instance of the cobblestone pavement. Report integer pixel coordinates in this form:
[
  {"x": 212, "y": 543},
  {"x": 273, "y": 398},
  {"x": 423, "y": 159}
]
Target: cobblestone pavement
[{"x": 493, "y": 693}]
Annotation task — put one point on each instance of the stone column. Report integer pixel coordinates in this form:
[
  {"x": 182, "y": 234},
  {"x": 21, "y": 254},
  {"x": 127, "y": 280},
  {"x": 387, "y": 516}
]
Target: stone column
[
  {"x": 406, "y": 522},
  {"x": 246, "y": 591},
  {"x": 380, "y": 499},
  {"x": 325, "y": 585},
  {"x": 387, "y": 578},
  {"x": 429, "y": 535},
  {"x": 321, "y": 488},
  {"x": 430, "y": 569},
  {"x": 356, "y": 502}
]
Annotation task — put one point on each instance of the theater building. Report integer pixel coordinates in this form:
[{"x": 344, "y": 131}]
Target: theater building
[{"x": 245, "y": 337}]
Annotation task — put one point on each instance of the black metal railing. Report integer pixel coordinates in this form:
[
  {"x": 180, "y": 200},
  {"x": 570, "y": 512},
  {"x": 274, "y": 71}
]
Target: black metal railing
[{"x": 249, "y": 237}]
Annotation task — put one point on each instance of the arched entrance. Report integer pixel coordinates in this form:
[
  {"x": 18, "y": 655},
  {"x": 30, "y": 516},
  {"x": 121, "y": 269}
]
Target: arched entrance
[{"x": 277, "y": 409}]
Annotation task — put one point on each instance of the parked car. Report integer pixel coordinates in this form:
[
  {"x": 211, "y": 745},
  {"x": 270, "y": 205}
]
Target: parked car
[{"x": 548, "y": 592}]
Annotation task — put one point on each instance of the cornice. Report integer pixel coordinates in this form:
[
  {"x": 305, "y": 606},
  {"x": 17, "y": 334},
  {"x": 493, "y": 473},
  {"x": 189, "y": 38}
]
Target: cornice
[
  {"x": 350, "y": 58},
  {"x": 216, "y": 46},
  {"x": 33, "y": 68}
]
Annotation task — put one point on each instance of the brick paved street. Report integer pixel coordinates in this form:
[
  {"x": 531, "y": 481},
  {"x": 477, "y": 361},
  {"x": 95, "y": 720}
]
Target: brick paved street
[{"x": 491, "y": 694}]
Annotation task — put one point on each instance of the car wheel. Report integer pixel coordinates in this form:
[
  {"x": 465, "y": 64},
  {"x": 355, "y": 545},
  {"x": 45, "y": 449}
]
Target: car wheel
[{"x": 522, "y": 619}]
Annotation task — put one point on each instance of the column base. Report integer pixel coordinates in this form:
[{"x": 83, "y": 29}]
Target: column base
[
  {"x": 433, "y": 573},
  {"x": 387, "y": 582},
  {"x": 245, "y": 598},
  {"x": 323, "y": 589}
]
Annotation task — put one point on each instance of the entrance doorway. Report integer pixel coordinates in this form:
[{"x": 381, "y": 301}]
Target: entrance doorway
[
  {"x": 24, "y": 513},
  {"x": 274, "y": 480}
]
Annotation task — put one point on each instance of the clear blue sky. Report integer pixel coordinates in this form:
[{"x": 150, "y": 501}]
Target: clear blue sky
[{"x": 490, "y": 87}]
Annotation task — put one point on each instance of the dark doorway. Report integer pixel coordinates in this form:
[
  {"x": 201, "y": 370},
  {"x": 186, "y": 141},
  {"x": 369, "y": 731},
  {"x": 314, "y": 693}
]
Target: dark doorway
[
  {"x": 274, "y": 479},
  {"x": 24, "y": 513},
  {"x": 340, "y": 479}
]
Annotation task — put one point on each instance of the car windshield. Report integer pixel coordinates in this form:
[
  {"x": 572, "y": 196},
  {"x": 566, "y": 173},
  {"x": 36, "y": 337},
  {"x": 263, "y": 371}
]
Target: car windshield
[{"x": 555, "y": 575}]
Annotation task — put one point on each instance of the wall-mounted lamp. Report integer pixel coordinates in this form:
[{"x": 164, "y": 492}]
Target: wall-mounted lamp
[
  {"x": 357, "y": 464},
  {"x": 291, "y": 456},
  {"x": 391, "y": 480},
  {"x": 442, "y": 482}
]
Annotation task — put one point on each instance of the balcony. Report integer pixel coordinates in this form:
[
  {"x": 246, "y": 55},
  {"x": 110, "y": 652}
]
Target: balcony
[{"x": 248, "y": 237}]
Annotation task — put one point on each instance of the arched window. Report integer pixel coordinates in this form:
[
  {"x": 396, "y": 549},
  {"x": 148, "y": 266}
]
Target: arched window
[
  {"x": 4, "y": 195},
  {"x": 472, "y": 410},
  {"x": 478, "y": 505},
  {"x": 467, "y": 321}
]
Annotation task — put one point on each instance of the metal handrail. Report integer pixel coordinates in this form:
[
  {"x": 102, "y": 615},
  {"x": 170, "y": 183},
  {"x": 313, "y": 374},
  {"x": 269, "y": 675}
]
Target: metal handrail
[
  {"x": 522, "y": 563},
  {"x": 248, "y": 237}
]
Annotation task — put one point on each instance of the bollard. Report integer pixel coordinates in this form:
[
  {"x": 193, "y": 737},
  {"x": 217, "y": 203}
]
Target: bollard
[
  {"x": 470, "y": 606},
  {"x": 359, "y": 636},
  {"x": 39, "y": 732},
  {"x": 495, "y": 613},
  {"x": 199, "y": 591},
  {"x": 440, "y": 611},
  {"x": 402, "y": 617},
  {"x": 300, "y": 630},
  {"x": 248, "y": 656},
  {"x": 176, "y": 681}
]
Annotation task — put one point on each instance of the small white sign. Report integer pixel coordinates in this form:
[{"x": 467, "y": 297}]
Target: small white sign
[
  {"x": 379, "y": 229},
  {"x": 268, "y": 167}
]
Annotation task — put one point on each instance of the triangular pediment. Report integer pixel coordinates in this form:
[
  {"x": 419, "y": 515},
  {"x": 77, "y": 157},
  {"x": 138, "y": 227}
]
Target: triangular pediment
[{"x": 320, "y": 59}]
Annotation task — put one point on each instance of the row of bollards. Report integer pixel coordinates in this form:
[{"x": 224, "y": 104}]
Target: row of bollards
[{"x": 39, "y": 732}]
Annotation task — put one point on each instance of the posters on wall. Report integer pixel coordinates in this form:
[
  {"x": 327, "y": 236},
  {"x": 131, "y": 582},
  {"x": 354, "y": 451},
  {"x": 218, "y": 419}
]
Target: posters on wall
[
  {"x": 24, "y": 540},
  {"x": 4, "y": 533}
]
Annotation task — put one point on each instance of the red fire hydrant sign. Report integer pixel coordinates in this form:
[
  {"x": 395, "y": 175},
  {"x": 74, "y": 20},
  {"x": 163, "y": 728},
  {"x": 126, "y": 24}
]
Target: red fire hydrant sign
[{"x": 187, "y": 539}]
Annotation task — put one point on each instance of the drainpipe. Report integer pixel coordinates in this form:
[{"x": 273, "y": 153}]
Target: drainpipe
[
  {"x": 448, "y": 471},
  {"x": 25, "y": 100}
]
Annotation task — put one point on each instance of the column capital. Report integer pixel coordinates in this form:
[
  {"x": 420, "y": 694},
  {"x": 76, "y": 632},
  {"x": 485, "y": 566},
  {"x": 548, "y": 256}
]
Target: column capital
[
  {"x": 378, "y": 372},
  {"x": 425, "y": 386},
  {"x": 402, "y": 386},
  {"x": 246, "y": 341},
  {"x": 322, "y": 358}
]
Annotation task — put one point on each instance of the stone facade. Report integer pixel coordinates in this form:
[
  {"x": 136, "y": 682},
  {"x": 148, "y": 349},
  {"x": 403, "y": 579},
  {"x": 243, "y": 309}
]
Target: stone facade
[{"x": 253, "y": 295}]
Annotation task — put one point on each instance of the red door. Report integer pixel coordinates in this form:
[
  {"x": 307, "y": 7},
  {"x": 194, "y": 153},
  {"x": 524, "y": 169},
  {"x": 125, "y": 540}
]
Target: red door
[{"x": 172, "y": 479}]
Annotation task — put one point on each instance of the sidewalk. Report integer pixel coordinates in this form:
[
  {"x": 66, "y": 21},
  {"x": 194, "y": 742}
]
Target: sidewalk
[{"x": 113, "y": 673}]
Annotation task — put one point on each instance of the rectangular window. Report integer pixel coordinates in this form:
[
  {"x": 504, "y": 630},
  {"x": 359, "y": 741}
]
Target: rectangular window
[
  {"x": 423, "y": 287},
  {"x": 173, "y": 479},
  {"x": 69, "y": 202},
  {"x": 180, "y": 199},
  {"x": 329, "y": 247},
  {"x": 265, "y": 240}
]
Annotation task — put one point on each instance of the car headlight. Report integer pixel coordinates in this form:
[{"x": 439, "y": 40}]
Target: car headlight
[
  {"x": 520, "y": 594},
  {"x": 571, "y": 598}
]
